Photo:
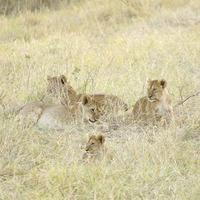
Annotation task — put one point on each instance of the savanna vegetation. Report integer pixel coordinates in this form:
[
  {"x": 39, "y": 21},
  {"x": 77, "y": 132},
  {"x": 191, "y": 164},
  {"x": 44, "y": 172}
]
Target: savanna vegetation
[{"x": 110, "y": 46}]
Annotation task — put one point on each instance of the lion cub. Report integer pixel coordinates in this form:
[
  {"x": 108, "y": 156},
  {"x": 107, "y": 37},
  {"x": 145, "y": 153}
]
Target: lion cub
[
  {"x": 96, "y": 148},
  {"x": 157, "y": 103},
  {"x": 59, "y": 85},
  {"x": 56, "y": 87},
  {"x": 47, "y": 115}
]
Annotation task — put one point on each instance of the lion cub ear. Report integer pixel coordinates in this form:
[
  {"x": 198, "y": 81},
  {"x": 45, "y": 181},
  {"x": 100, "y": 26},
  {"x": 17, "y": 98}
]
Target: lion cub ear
[
  {"x": 103, "y": 103},
  {"x": 86, "y": 99},
  {"x": 101, "y": 138},
  {"x": 162, "y": 82},
  {"x": 63, "y": 79},
  {"x": 48, "y": 78},
  {"x": 89, "y": 135},
  {"x": 148, "y": 80}
]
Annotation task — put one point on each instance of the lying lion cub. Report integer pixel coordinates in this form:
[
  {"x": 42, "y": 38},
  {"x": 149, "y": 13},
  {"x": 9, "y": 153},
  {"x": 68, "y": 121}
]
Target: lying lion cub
[
  {"x": 60, "y": 85},
  {"x": 47, "y": 115},
  {"x": 96, "y": 149},
  {"x": 156, "y": 104}
]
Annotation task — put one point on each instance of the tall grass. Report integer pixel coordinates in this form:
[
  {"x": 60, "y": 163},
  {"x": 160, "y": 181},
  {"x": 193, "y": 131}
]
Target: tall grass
[
  {"x": 14, "y": 6},
  {"x": 131, "y": 7},
  {"x": 101, "y": 46}
]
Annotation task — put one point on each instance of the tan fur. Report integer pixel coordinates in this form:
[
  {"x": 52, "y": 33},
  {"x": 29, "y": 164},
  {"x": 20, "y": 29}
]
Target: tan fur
[
  {"x": 156, "y": 104},
  {"x": 56, "y": 86},
  {"x": 113, "y": 102},
  {"x": 96, "y": 148},
  {"x": 48, "y": 115}
]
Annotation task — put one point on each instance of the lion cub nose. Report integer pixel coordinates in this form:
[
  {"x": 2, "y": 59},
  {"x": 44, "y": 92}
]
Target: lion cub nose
[
  {"x": 150, "y": 96},
  {"x": 87, "y": 150}
]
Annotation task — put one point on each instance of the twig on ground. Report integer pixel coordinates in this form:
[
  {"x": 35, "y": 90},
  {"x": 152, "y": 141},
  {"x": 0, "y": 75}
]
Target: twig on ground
[{"x": 187, "y": 98}]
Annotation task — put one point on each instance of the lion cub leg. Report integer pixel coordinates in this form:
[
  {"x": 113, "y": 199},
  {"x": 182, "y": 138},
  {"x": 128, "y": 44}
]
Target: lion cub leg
[
  {"x": 100, "y": 126},
  {"x": 169, "y": 116},
  {"x": 103, "y": 126},
  {"x": 151, "y": 116}
]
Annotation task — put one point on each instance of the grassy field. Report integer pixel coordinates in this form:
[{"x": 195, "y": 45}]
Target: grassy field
[{"x": 110, "y": 46}]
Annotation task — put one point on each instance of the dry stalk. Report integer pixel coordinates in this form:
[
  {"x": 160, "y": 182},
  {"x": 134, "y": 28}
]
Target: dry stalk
[{"x": 193, "y": 95}]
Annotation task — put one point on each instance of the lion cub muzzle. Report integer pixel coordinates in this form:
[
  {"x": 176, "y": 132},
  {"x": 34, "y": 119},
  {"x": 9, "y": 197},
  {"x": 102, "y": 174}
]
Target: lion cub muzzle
[
  {"x": 150, "y": 98},
  {"x": 92, "y": 121}
]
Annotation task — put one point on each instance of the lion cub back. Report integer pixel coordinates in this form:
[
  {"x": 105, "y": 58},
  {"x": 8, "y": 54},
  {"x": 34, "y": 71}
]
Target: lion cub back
[{"x": 58, "y": 86}]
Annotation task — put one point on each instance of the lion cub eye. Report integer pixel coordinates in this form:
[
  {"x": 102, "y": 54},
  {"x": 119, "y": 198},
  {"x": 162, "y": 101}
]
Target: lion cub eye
[
  {"x": 154, "y": 89},
  {"x": 92, "y": 110},
  {"x": 92, "y": 143}
]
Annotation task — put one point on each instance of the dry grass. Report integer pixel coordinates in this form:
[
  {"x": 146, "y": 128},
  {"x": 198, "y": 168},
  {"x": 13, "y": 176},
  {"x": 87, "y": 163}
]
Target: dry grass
[
  {"x": 14, "y": 7},
  {"x": 107, "y": 49}
]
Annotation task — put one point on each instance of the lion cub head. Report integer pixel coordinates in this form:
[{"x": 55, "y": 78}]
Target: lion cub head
[
  {"x": 96, "y": 148},
  {"x": 155, "y": 89},
  {"x": 93, "y": 109},
  {"x": 56, "y": 87},
  {"x": 56, "y": 83}
]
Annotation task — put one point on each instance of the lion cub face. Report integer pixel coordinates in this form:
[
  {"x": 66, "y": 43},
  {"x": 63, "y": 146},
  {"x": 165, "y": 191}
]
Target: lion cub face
[
  {"x": 155, "y": 89},
  {"x": 92, "y": 108},
  {"x": 94, "y": 144},
  {"x": 55, "y": 83},
  {"x": 96, "y": 149}
]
